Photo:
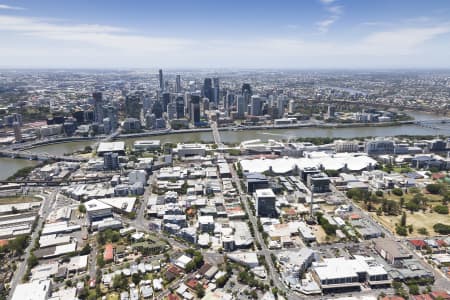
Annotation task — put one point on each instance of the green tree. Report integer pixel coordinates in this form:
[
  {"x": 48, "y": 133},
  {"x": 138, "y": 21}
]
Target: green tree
[
  {"x": 441, "y": 209},
  {"x": 136, "y": 278},
  {"x": 403, "y": 219},
  {"x": 434, "y": 188},
  {"x": 200, "y": 290},
  {"x": 422, "y": 231},
  {"x": 397, "y": 192},
  {"x": 32, "y": 261},
  {"x": 82, "y": 208},
  {"x": 414, "y": 289}
]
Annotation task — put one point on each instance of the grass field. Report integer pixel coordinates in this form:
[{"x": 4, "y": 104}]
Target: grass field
[
  {"x": 417, "y": 220},
  {"x": 321, "y": 236},
  {"x": 18, "y": 199}
]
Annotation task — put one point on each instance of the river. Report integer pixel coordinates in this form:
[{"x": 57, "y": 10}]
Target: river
[{"x": 9, "y": 166}]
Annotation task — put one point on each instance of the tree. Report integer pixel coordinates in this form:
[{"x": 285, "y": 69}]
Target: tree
[
  {"x": 32, "y": 261},
  {"x": 434, "y": 188},
  {"x": 401, "y": 230},
  {"x": 422, "y": 231},
  {"x": 403, "y": 219},
  {"x": 200, "y": 290},
  {"x": 82, "y": 208},
  {"x": 221, "y": 281},
  {"x": 397, "y": 192},
  {"x": 441, "y": 209},
  {"x": 18, "y": 245},
  {"x": 100, "y": 261},
  {"x": 136, "y": 278},
  {"x": 120, "y": 282},
  {"x": 414, "y": 289},
  {"x": 86, "y": 250},
  {"x": 441, "y": 228}
]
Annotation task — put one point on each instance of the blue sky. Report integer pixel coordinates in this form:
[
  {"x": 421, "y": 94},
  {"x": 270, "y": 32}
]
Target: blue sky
[{"x": 303, "y": 34}]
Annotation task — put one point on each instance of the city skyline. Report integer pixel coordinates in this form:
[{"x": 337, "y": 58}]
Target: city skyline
[{"x": 326, "y": 34}]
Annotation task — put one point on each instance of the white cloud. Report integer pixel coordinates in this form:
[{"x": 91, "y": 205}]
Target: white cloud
[
  {"x": 335, "y": 14},
  {"x": 9, "y": 7},
  {"x": 93, "y": 34},
  {"x": 327, "y": 1},
  {"x": 37, "y": 42},
  {"x": 324, "y": 25},
  {"x": 403, "y": 40}
]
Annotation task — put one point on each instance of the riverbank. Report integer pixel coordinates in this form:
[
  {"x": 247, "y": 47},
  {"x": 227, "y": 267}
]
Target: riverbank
[{"x": 208, "y": 129}]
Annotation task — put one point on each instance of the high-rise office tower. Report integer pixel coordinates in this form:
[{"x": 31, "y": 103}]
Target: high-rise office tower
[
  {"x": 17, "y": 132},
  {"x": 179, "y": 106},
  {"x": 146, "y": 103},
  {"x": 246, "y": 88},
  {"x": 149, "y": 120},
  {"x": 247, "y": 93},
  {"x": 187, "y": 103},
  {"x": 241, "y": 107},
  {"x": 161, "y": 80},
  {"x": 229, "y": 100},
  {"x": 157, "y": 109},
  {"x": 111, "y": 114},
  {"x": 256, "y": 105},
  {"x": 205, "y": 105},
  {"x": 111, "y": 161},
  {"x": 194, "y": 112},
  {"x": 178, "y": 84},
  {"x": 165, "y": 100},
  {"x": 208, "y": 89},
  {"x": 133, "y": 106},
  {"x": 98, "y": 106},
  {"x": 107, "y": 125},
  {"x": 282, "y": 103},
  {"x": 171, "y": 111},
  {"x": 216, "y": 91}
]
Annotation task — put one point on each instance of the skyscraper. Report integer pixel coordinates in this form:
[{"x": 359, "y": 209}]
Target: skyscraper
[
  {"x": 229, "y": 100},
  {"x": 157, "y": 109},
  {"x": 133, "y": 106},
  {"x": 111, "y": 114},
  {"x": 256, "y": 105},
  {"x": 171, "y": 111},
  {"x": 216, "y": 91},
  {"x": 178, "y": 84},
  {"x": 98, "y": 106},
  {"x": 165, "y": 100},
  {"x": 194, "y": 112},
  {"x": 179, "y": 106},
  {"x": 161, "y": 80},
  {"x": 208, "y": 89},
  {"x": 241, "y": 107},
  {"x": 247, "y": 93}
]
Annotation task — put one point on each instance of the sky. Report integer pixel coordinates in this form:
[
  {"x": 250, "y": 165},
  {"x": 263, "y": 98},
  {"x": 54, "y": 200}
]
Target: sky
[{"x": 278, "y": 34}]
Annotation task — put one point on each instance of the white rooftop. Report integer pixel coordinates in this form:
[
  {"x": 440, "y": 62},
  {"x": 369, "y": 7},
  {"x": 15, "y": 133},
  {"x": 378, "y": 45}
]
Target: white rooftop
[
  {"x": 34, "y": 290},
  {"x": 264, "y": 193},
  {"x": 93, "y": 205},
  {"x": 353, "y": 161},
  {"x": 111, "y": 147}
]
